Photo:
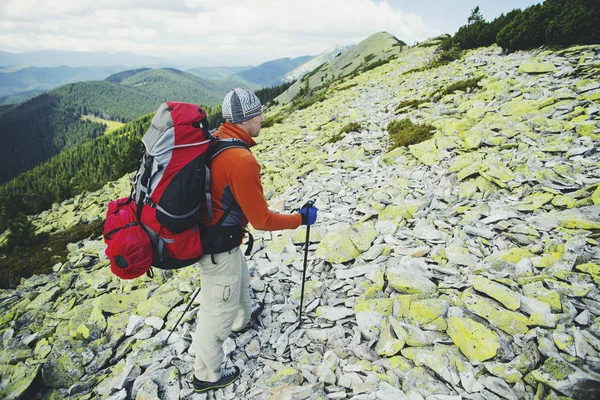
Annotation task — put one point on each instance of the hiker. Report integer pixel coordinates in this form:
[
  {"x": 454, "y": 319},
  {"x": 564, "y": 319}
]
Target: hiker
[{"x": 237, "y": 198}]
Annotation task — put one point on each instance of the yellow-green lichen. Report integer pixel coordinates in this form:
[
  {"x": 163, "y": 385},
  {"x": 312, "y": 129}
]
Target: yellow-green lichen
[{"x": 475, "y": 341}]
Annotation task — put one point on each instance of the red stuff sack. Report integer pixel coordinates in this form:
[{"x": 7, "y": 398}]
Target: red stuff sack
[{"x": 128, "y": 246}]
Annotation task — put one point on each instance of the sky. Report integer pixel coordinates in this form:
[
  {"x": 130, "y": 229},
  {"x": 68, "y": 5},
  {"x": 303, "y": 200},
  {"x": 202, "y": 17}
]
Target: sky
[{"x": 228, "y": 32}]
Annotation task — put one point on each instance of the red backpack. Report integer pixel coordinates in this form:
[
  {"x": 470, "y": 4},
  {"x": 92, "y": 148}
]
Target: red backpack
[{"x": 158, "y": 224}]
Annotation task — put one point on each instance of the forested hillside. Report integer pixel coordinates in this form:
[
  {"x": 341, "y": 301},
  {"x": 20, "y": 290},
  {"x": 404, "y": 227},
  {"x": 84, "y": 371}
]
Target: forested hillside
[
  {"x": 84, "y": 167},
  {"x": 552, "y": 23},
  {"x": 46, "y": 125},
  {"x": 37, "y": 129},
  {"x": 121, "y": 76}
]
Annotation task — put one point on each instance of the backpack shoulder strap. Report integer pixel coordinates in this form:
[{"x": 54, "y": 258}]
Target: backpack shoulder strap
[
  {"x": 219, "y": 146},
  {"x": 224, "y": 144}
]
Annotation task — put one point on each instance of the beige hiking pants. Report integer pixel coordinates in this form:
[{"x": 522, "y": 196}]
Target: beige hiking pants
[{"x": 224, "y": 305}]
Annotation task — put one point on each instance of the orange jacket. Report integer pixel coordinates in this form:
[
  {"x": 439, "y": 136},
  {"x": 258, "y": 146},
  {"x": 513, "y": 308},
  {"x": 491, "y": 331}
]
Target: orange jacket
[{"x": 236, "y": 173}]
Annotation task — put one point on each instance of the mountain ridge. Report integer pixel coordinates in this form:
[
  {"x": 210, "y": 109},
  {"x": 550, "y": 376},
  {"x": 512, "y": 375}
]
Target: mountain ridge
[{"x": 377, "y": 47}]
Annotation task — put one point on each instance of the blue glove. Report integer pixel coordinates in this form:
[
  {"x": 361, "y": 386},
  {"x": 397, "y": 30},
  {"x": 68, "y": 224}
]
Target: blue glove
[{"x": 309, "y": 214}]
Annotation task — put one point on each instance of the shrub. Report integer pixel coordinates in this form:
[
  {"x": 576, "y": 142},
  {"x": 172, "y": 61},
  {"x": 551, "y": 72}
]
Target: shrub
[
  {"x": 351, "y": 127},
  {"x": 403, "y": 132},
  {"x": 272, "y": 120},
  {"x": 336, "y": 137},
  {"x": 461, "y": 85},
  {"x": 376, "y": 64},
  {"x": 449, "y": 51},
  {"x": 409, "y": 103},
  {"x": 348, "y": 86}
]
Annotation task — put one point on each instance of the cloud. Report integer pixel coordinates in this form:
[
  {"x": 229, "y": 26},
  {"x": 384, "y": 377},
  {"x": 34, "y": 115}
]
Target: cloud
[{"x": 252, "y": 32}]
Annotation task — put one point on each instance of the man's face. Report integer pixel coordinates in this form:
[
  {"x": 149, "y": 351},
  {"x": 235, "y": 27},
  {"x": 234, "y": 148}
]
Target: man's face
[{"x": 253, "y": 125}]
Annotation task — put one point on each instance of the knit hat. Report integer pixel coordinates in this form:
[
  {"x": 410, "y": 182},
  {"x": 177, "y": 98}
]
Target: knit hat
[{"x": 240, "y": 105}]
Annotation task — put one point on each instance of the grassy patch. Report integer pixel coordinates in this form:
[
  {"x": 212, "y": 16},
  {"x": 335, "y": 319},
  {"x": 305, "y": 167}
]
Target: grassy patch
[
  {"x": 110, "y": 125},
  {"x": 306, "y": 102},
  {"x": 444, "y": 57},
  {"x": 403, "y": 132},
  {"x": 336, "y": 137},
  {"x": 351, "y": 127},
  {"x": 348, "y": 86},
  {"x": 40, "y": 258},
  {"x": 414, "y": 103},
  {"x": 376, "y": 64},
  {"x": 461, "y": 85},
  {"x": 272, "y": 120}
]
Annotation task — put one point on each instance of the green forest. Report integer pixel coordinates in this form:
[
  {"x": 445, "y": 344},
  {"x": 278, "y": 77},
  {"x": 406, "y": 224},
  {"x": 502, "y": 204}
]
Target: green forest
[{"x": 554, "y": 23}]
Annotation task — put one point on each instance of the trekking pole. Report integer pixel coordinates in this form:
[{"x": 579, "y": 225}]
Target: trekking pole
[
  {"x": 309, "y": 204},
  {"x": 180, "y": 318}
]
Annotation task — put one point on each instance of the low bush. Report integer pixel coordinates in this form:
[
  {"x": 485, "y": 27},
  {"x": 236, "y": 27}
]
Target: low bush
[
  {"x": 348, "y": 86},
  {"x": 272, "y": 120},
  {"x": 351, "y": 127},
  {"x": 461, "y": 85},
  {"x": 403, "y": 132},
  {"x": 336, "y": 137},
  {"x": 414, "y": 103}
]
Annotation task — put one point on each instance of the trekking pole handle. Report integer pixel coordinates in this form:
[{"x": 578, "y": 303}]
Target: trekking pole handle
[{"x": 309, "y": 204}]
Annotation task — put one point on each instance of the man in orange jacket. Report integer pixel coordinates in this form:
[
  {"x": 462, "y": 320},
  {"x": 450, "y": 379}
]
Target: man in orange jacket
[{"x": 237, "y": 199}]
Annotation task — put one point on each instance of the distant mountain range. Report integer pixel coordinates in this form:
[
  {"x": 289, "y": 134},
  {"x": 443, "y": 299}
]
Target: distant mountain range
[
  {"x": 48, "y": 124},
  {"x": 56, "y": 58},
  {"x": 217, "y": 72},
  {"x": 15, "y": 81},
  {"x": 272, "y": 73}
]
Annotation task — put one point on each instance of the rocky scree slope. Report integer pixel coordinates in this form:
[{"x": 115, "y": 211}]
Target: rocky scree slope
[{"x": 464, "y": 267}]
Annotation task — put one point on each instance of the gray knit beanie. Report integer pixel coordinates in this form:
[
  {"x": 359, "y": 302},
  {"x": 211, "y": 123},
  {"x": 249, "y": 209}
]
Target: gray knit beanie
[{"x": 240, "y": 105}]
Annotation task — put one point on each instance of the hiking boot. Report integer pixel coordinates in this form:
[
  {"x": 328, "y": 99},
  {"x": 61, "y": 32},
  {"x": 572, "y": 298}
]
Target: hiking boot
[
  {"x": 229, "y": 375},
  {"x": 256, "y": 310}
]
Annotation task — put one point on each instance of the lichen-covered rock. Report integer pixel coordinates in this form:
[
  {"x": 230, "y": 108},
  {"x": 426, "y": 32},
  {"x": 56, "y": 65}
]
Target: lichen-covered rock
[
  {"x": 441, "y": 359},
  {"x": 509, "y": 321},
  {"x": 537, "y": 67},
  {"x": 407, "y": 281},
  {"x": 337, "y": 247},
  {"x": 504, "y": 295},
  {"x": 364, "y": 235},
  {"x": 427, "y": 310},
  {"x": 64, "y": 366},
  {"x": 370, "y": 314},
  {"x": 285, "y": 376},
  {"x": 567, "y": 379},
  {"x": 19, "y": 378},
  {"x": 474, "y": 340}
]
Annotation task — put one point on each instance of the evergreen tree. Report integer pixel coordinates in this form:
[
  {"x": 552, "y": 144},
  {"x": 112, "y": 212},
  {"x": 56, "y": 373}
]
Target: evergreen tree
[{"x": 475, "y": 16}]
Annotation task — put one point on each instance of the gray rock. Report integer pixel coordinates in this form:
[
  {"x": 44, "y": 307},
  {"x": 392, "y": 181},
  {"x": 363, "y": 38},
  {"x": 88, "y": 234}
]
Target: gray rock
[{"x": 148, "y": 391}]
